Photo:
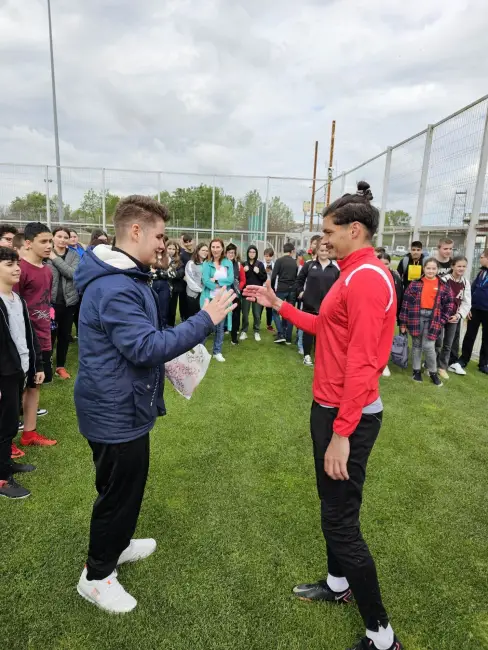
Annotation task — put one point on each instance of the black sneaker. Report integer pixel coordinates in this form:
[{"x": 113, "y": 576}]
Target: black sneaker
[
  {"x": 279, "y": 338},
  {"x": 21, "y": 426},
  {"x": 367, "y": 644},
  {"x": 484, "y": 369},
  {"x": 435, "y": 379},
  {"x": 41, "y": 412},
  {"x": 321, "y": 591},
  {"x": 417, "y": 375},
  {"x": 22, "y": 468},
  {"x": 13, "y": 490},
  {"x": 234, "y": 342}
]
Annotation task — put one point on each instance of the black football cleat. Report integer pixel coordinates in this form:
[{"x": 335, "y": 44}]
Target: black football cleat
[{"x": 321, "y": 591}]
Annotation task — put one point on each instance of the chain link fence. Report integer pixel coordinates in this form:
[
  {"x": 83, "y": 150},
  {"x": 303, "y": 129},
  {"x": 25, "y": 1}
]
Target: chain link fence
[
  {"x": 432, "y": 184},
  {"x": 265, "y": 211}
]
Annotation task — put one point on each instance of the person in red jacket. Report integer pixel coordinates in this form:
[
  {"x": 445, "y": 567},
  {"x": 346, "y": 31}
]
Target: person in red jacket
[{"x": 354, "y": 332}]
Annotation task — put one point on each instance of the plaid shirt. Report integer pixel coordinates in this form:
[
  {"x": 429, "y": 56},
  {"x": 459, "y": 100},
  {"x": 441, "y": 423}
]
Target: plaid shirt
[{"x": 444, "y": 308}]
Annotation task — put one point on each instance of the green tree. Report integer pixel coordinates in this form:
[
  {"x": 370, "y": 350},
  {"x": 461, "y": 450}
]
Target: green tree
[
  {"x": 397, "y": 218},
  {"x": 90, "y": 210},
  {"x": 32, "y": 207},
  {"x": 280, "y": 216},
  {"x": 246, "y": 208}
]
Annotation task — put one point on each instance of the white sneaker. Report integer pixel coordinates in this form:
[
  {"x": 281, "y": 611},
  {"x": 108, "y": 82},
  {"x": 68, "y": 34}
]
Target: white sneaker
[
  {"x": 257, "y": 336},
  {"x": 457, "y": 369},
  {"x": 307, "y": 360},
  {"x": 386, "y": 372},
  {"x": 138, "y": 549},
  {"x": 219, "y": 357},
  {"x": 108, "y": 594},
  {"x": 443, "y": 374},
  {"x": 243, "y": 336}
]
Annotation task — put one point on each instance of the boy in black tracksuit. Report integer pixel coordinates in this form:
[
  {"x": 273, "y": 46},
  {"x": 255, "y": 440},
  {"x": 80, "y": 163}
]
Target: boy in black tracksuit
[
  {"x": 313, "y": 284},
  {"x": 255, "y": 275},
  {"x": 283, "y": 281},
  {"x": 20, "y": 357}
]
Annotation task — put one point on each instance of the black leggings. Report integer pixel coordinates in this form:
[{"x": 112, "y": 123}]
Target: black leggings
[{"x": 64, "y": 319}]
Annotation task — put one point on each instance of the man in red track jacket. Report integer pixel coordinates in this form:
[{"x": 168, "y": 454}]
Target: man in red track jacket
[{"x": 354, "y": 332}]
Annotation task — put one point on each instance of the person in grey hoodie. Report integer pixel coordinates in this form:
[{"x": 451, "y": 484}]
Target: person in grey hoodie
[{"x": 63, "y": 261}]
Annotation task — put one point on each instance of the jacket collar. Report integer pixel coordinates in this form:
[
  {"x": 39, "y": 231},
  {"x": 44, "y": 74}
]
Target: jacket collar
[{"x": 358, "y": 257}]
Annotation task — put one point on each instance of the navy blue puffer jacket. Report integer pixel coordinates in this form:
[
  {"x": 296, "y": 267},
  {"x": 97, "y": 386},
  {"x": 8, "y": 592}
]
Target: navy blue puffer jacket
[{"x": 122, "y": 350}]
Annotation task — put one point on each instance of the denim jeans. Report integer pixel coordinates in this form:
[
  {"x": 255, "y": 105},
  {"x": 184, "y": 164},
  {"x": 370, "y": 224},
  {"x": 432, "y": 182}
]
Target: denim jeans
[
  {"x": 283, "y": 327},
  {"x": 218, "y": 338},
  {"x": 423, "y": 344}
]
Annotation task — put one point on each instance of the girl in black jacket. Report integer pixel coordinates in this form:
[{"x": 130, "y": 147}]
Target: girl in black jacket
[
  {"x": 312, "y": 285},
  {"x": 256, "y": 275},
  {"x": 175, "y": 275}
]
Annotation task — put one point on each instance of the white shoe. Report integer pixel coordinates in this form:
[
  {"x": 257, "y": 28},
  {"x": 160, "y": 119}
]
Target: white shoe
[
  {"x": 307, "y": 360},
  {"x": 108, "y": 594},
  {"x": 457, "y": 369},
  {"x": 243, "y": 336},
  {"x": 386, "y": 372},
  {"x": 138, "y": 549},
  {"x": 443, "y": 374},
  {"x": 257, "y": 336},
  {"x": 219, "y": 357}
]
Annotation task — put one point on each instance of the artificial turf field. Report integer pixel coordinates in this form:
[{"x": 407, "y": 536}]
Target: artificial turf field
[{"x": 231, "y": 501}]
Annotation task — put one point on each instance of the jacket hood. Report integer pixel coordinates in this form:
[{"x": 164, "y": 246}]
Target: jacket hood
[
  {"x": 252, "y": 248},
  {"x": 102, "y": 261}
]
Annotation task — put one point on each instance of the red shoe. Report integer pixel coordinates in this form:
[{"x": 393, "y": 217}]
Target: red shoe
[
  {"x": 62, "y": 373},
  {"x": 270, "y": 328},
  {"x": 32, "y": 438},
  {"x": 16, "y": 452}
]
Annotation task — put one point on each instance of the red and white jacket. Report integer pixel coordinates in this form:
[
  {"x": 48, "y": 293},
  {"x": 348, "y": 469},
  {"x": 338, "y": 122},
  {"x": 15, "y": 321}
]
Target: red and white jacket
[{"x": 354, "y": 332}]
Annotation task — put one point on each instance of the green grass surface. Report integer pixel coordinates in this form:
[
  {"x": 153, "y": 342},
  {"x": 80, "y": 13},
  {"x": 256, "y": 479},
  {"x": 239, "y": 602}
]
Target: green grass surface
[{"x": 231, "y": 501}]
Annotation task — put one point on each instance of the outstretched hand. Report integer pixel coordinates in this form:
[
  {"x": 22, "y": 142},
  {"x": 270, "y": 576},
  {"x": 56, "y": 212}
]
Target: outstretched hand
[
  {"x": 264, "y": 296},
  {"x": 220, "y": 305}
]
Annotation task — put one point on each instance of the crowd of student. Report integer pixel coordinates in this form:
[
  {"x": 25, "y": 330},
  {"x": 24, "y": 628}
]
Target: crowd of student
[{"x": 40, "y": 304}]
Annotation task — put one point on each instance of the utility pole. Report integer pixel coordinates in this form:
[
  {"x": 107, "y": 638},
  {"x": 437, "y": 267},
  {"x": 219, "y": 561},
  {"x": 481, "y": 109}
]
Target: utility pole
[
  {"x": 55, "y": 116},
  {"x": 331, "y": 162},
  {"x": 312, "y": 203}
]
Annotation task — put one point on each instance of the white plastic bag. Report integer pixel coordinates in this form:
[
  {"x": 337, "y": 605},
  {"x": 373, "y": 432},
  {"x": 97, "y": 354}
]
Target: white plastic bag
[{"x": 187, "y": 371}]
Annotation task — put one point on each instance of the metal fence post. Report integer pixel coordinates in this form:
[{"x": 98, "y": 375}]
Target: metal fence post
[
  {"x": 423, "y": 181},
  {"x": 159, "y": 187},
  {"x": 104, "y": 215},
  {"x": 265, "y": 234},
  {"x": 213, "y": 209},
  {"x": 384, "y": 196},
  {"x": 48, "y": 200},
  {"x": 343, "y": 183},
  {"x": 477, "y": 199}
]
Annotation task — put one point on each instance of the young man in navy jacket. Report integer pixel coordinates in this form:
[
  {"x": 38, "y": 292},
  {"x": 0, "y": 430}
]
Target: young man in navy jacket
[{"x": 119, "y": 387}]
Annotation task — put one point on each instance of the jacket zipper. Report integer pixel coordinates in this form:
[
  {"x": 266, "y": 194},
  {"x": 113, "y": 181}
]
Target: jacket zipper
[{"x": 156, "y": 384}]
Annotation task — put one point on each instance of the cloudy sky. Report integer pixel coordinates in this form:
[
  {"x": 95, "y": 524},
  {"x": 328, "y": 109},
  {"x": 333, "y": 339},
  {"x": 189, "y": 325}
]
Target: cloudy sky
[{"x": 233, "y": 86}]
